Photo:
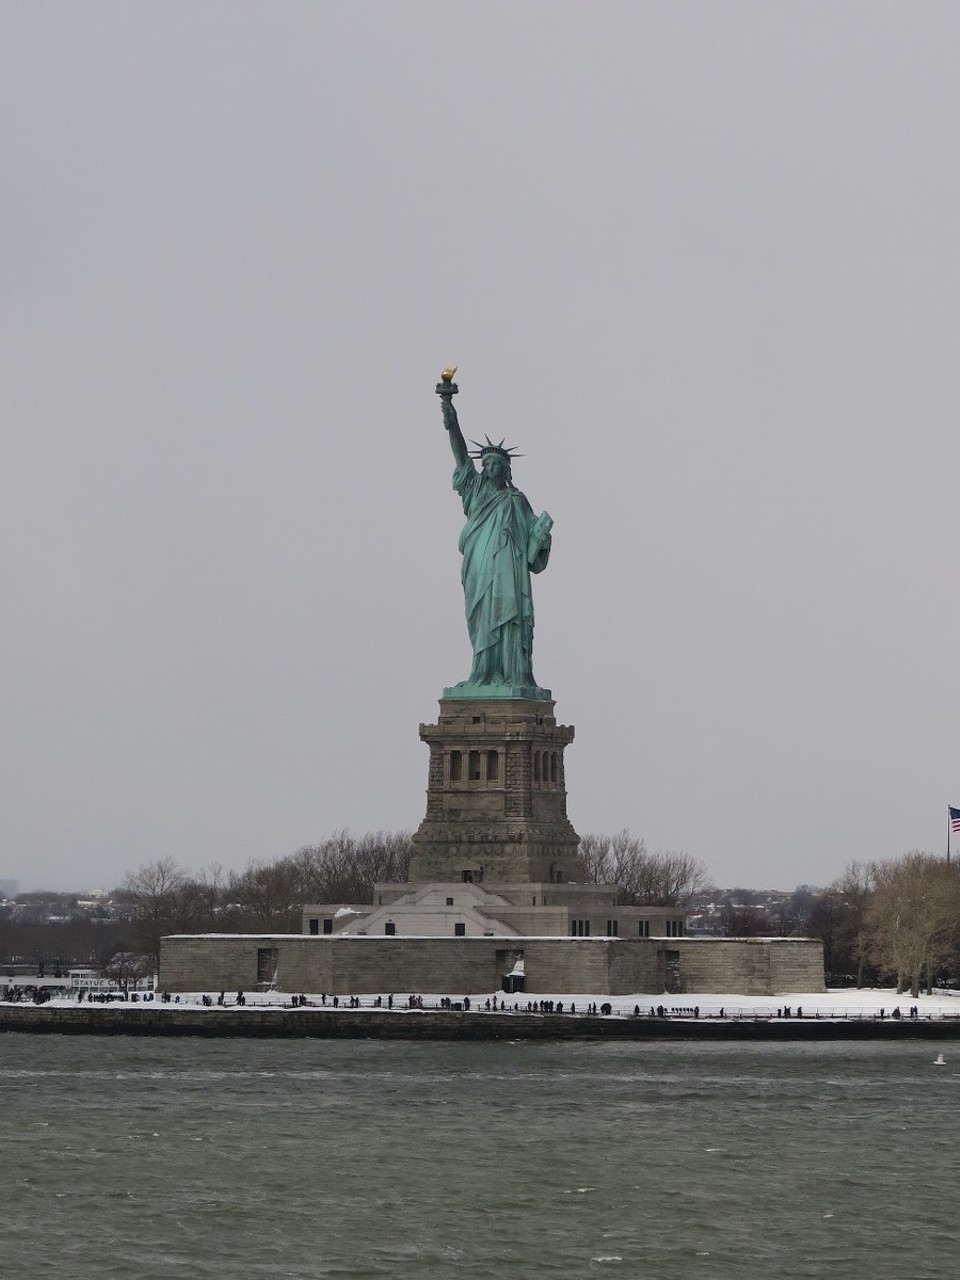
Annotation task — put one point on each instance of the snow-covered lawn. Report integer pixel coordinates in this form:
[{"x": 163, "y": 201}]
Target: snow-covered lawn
[{"x": 866, "y": 1003}]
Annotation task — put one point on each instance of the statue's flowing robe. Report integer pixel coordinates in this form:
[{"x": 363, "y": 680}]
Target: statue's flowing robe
[{"x": 498, "y": 559}]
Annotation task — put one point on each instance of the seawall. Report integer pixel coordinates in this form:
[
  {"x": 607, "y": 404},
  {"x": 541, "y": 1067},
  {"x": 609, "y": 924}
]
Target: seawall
[{"x": 450, "y": 1025}]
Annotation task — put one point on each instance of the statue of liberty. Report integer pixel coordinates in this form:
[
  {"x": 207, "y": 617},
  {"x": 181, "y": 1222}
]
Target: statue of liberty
[{"x": 502, "y": 543}]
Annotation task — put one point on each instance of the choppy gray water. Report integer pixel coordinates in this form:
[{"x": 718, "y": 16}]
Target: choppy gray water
[{"x": 243, "y": 1159}]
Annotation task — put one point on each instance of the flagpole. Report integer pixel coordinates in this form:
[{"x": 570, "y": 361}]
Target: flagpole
[{"x": 948, "y": 835}]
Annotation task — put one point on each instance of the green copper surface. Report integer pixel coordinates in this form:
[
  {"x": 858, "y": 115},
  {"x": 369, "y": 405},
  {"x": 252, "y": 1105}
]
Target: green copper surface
[{"x": 502, "y": 544}]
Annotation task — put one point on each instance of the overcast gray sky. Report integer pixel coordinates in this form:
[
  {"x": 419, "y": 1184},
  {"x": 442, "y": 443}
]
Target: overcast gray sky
[{"x": 698, "y": 262}]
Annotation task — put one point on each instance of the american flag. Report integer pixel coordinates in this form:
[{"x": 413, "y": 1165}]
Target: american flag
[{"x": 954, "y": 818}]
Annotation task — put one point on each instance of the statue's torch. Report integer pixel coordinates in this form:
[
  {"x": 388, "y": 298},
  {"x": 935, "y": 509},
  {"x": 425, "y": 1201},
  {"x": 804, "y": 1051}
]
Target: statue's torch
[{"x": 446, "y": 386}]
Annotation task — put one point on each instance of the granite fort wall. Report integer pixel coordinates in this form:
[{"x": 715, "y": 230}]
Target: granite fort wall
[
  {"x": 556, "y": 966},
  {"x": 468, "y": 966},
  {"x": 345, "y": 966},
  {"x": 748, "y": 966}
]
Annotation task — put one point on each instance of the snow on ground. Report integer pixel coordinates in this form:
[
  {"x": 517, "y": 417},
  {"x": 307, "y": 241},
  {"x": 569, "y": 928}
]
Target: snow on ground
[{"x": 846, "y": 1003}]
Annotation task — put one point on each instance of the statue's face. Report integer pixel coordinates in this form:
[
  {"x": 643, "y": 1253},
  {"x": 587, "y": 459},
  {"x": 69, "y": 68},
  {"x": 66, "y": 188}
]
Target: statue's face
[{"x": 496, "y": 468}]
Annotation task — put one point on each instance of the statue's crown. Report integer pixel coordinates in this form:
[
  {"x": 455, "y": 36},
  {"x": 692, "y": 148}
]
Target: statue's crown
[{"x": 481, "y": 450}]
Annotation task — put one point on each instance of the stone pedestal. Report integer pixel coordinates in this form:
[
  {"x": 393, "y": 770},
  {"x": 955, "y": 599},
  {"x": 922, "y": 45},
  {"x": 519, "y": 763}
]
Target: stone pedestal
[{"x": 496, "y": 795}]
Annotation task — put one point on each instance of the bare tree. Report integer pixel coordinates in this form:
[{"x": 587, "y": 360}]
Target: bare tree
[
  {"x": 163, "y": 899},
  {"x": 913, "y": 917},
  {"x": 595, "y": 862},
  {"x": 855, "y": 887},
  {"x": 342, "y": 868},
  {"x": 674, "y": 878},
  {"x": 126, "y": 967},
  {"x": 826, "y": 922},
  {"x": 661, "y": 879},
  {"x": 269, "y": 896}
]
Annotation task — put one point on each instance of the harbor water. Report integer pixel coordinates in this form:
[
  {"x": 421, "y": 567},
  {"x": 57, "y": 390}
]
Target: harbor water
[{"x": 147, "y": 1159}]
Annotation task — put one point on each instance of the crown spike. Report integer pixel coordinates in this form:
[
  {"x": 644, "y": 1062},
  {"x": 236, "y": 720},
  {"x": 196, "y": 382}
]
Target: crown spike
[{"x": 505, "y": 451}]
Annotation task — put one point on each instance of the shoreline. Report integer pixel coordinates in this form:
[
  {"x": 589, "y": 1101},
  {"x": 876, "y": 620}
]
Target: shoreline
[{"x": 429, "y": 1024}]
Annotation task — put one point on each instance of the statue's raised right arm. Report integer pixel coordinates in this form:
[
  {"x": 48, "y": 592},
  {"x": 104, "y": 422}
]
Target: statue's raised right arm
[{"x": 446, "y": 390}]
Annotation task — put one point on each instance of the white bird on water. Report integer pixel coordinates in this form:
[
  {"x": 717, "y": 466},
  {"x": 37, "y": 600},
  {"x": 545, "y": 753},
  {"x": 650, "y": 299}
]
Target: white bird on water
[{"x": 939, "y": 1060}]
